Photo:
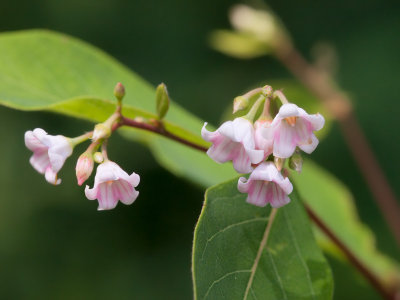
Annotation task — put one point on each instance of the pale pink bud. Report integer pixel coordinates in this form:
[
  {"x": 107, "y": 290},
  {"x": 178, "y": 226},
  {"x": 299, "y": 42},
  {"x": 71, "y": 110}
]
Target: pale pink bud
[
  {"x": 112, "y": 184},
  {"x": 234, "y": 140},
  {"x": 266, "y": 185},
  {"x": 84, "y": 167},
  {"x": 49, "y": 153},
  {"x": 292, "y": 127}
]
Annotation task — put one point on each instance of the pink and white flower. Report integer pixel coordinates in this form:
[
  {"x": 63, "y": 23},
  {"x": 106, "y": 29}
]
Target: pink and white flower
[
  {"x": 266, "y": 185},
  {"x": 292, "y": 127},
  {"x": 234, "y": 140},
  {"x": 49, "y": 153},
  {"x": 112, "y": 184}
]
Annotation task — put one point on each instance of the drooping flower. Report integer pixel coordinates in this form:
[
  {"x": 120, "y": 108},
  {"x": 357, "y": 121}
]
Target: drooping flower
[
  {"x": 234, "y": 140},
  {"x": 49, "y": 153},
  {"x": 266, "y": 185},
  {"x": 292, "y": 127},
  {"x": 112, "y": 184}
]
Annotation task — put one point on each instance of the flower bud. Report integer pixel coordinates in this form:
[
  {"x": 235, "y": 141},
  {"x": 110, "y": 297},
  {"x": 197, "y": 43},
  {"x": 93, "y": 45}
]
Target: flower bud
[
  {"x": 119, "y": 91},
  {"x": 267, "y": 91},
  {"x": 296, "y": 162},
  {"x": 279, "y": 162},
  {"x": 101, "y": 131},
  {"x": 162, "y": 100},
  {"x": 98, "y": 157},
  {"x": 240, "y": 103},
  {"x": 84, "y": 167}
]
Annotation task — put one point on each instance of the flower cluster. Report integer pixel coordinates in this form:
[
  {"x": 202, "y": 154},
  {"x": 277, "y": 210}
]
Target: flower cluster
[
  {"x": 263, "y": 146},
  {"x": 111, "y": 183}
]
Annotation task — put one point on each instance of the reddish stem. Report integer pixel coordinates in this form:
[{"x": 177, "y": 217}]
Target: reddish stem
[
  {"x": 351, "y": 257},
  {"x": 158, "y": 129}
]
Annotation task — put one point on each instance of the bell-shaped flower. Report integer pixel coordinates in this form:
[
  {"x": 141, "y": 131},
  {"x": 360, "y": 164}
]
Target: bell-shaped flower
[
  {"x": 49, "y": 153},
  {"x": 266, "y": 185},
  {"x": 112, "y": 184},
  {"x": 292, "y": 127},
  {"x": 234, "y": 140}
]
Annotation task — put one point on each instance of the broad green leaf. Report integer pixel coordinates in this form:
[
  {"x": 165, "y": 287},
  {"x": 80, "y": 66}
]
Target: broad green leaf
[
  {"x": 227, "y": 240},
  {"x": 334, "y": 204},
  {"x": 43, "y": 70}
]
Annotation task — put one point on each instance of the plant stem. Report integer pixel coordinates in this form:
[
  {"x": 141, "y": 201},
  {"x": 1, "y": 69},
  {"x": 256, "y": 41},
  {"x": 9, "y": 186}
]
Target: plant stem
[
  {"x": 158, "y": 130},
  {"x": 338, "y": 103}
]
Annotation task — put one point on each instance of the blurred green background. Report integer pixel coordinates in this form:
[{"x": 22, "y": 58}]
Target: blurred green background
[{"x": 53, "y": 242}]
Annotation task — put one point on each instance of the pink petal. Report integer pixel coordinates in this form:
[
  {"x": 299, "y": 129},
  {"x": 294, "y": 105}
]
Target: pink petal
[
  {"x": 241, "y": 161},
  {"x": 279, "y": 196},
  {"x": 40, "y": 161},
  {"x": 91, "y": 194},
  {"x": 258, "y": 193},
  {"x": 243, "y": 185},
  {"x": 284, "y": 141},
  {"x": 310, "y": 146},
  {"x": 51, "y": 176},
  {"x": 125, "y": 192},
  {"x": 33, "y": 139},
  {"x": 106, "y": 197},
  {"x": 224, "y": 150}
]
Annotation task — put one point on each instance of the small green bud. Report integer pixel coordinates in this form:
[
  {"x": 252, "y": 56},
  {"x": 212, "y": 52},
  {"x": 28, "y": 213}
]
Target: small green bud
[
  {"x": 267, "y": 90},
  {"x": 240, "y": 103},
  {"x": 296, "y": 162},
  {"x": 162, "y": 100},
  {"x": 119, "y": 91},
  {"x": 98, "y": 157}
]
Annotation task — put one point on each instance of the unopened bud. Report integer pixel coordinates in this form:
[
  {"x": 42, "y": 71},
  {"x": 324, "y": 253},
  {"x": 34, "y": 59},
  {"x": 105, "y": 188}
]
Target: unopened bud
[
  {"x": 162, "y": 100},
  {"x": 240, "y": 103},
  {"x": 101, "y": 131},
  {"x": 98, "y": 157},
  {"x": 296, "y": 162},
  {"x": 267, "y": 90},
  {"x": 279, "y": 162},
  {"x": 119, "y": 91},
  {"x": 84, "y": 167}
]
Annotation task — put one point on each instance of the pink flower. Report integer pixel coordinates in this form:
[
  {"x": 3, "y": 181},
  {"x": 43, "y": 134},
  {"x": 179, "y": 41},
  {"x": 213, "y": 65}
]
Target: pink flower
[
  {"x": 261, "y": 142},
  {"x": 112, "y": 184},
  {"x": 293, "y": 127},
  {"x": 266, "y": 185},
  {"x": 49, "y": 153},
  {"x": 234, "y": 140}
]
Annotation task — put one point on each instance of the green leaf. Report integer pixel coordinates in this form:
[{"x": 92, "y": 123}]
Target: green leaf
[
  {"x": 238, "y": 44},
  {"x": 43, "y": 70},
  {"x": 334, "y": 204},
  {"x": 227, "y": 240}
]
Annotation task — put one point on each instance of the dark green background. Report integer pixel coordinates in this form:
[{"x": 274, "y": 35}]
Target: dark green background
[{"x": 53, "y": 242}]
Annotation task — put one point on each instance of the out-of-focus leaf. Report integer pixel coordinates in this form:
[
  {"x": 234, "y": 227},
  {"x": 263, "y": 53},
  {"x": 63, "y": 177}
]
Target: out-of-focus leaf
[
  {"x": 333, "y": 203},
  {"x": 227, "y": 240},
  {"x": 43, "y": 70},
  {"x": 238, "y": 44}
]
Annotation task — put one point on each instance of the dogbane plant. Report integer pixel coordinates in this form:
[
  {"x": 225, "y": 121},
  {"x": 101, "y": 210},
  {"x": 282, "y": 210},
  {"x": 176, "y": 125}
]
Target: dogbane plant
[{"x": 243, "y": 248}]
